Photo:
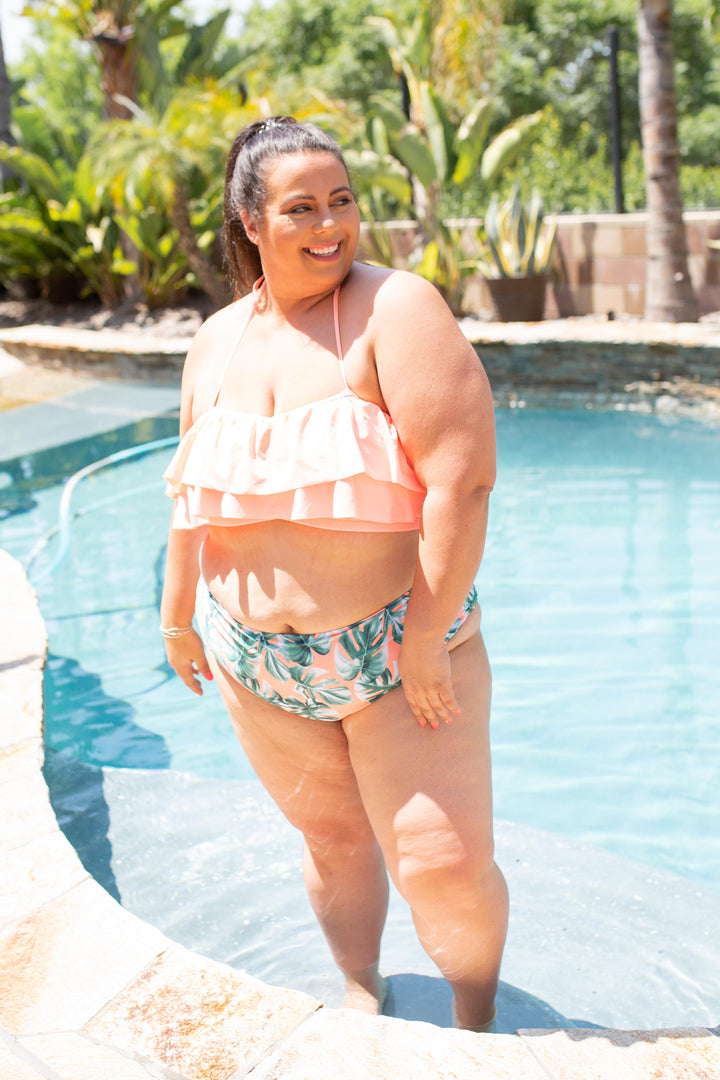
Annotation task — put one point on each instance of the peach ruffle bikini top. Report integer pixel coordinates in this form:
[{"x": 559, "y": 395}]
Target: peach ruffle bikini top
[{"x": 336, "y": 463}]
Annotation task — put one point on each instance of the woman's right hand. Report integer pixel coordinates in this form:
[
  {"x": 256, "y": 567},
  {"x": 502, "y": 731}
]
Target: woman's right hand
[{"x": 186, "y": 657}]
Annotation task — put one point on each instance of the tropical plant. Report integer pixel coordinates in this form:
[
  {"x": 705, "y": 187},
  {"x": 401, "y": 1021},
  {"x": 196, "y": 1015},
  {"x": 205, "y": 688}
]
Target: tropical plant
[
  {"x": 519, "y": 240},
  {"x": 437, "y": 150},
  {"x": 58, "y": 229},
  {"x": 145, "y": 49},
  {"x": 175, "y": 163},
  {"x": 5, "y": 112},
  {"x": 670, "y": 296}
]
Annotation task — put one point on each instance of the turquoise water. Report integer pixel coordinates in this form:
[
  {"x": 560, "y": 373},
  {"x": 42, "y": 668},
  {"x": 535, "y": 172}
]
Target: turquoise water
[{"x": 600, "y": 589}]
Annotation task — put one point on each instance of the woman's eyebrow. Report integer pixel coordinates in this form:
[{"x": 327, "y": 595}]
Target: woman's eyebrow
[{"x": 335, "y": 191}]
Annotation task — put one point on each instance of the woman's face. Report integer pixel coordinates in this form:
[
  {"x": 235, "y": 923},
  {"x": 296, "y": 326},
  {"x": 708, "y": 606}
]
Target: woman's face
[{"x": 308, "y": 234}]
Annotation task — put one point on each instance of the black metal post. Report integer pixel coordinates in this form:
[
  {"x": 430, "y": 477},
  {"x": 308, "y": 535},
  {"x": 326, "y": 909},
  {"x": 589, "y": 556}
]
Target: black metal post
[{"x": 615, "y": 134}]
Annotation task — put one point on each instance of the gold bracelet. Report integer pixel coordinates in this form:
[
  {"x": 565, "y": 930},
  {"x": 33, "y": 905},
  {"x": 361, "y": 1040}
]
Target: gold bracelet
[{"x": 175, "y": 631}]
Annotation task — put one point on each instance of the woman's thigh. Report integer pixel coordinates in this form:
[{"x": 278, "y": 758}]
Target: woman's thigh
[
  {"x": 428, "y": 792},
  {"x": 303, "y": 763}
]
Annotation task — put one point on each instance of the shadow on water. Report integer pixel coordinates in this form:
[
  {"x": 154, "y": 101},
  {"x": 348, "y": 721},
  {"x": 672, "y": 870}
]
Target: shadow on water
[
  {"x": 428, "y": 999},
  {"x": 77, "y": 798},
  {"x": 81, "y": 719}
]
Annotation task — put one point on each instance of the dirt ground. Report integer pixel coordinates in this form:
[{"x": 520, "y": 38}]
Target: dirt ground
[
  {"x": 171, "y": 322},
  {"x": 180, "y": 321}
]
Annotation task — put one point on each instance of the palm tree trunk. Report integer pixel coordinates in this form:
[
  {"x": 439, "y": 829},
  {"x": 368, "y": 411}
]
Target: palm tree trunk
[
  {"x": 217, "y": 290},
  {"x": 669, "y": 296},
  {"x": 5, "y": 114},
  {"x": 117, "y": 63}
]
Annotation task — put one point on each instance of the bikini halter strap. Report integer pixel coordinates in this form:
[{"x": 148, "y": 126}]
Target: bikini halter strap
[
  {"x": 338, "y": 342},
  {"x": 258, "y": 290}
]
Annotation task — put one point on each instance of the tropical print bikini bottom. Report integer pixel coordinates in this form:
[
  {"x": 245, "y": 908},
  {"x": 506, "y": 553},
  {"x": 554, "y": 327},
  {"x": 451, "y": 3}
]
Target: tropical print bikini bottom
[{"x": 324, "y": 676}]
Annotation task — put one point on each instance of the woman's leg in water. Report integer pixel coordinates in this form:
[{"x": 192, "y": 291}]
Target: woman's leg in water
[
  {"x": 428, "y": 797},
  {"x": 304, "y": 765}
]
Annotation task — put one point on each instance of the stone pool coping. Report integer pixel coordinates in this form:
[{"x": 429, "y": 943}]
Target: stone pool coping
[{"x": 87, "y": 989}]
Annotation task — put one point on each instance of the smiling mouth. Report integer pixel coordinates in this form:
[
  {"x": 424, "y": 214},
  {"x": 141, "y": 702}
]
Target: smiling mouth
[{"x": 328, "y": 250}]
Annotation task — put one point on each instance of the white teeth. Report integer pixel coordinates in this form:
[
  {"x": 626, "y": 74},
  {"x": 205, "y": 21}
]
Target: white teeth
[{"x": 324, "y": 250}]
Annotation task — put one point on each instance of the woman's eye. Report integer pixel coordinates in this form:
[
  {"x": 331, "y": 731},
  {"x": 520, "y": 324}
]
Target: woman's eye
[{"x": 299, "y": 209}]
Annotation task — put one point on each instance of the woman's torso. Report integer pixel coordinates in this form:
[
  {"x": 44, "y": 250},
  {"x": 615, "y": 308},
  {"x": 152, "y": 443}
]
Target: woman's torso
[{"x": 278, "y": 575}]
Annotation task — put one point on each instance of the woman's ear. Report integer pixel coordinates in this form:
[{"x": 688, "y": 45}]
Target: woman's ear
[{"x": 249, "y": 226}]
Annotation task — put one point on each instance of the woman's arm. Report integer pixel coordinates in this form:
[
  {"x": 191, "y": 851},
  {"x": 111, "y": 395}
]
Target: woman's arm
[
  {"x": 438, "y": 395},
  {"x": 185, "y": 652}
]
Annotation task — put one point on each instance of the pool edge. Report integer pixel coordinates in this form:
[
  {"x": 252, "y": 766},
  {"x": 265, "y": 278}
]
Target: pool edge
[{"x": 82, "y": 980}]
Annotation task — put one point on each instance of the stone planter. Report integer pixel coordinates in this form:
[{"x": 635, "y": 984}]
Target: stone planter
[{"x": 518, "y": 299}]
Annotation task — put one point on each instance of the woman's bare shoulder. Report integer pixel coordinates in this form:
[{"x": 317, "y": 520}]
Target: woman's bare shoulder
[
  {"x": 215, "y": 337},
  {"x": 208, "y": 351}
]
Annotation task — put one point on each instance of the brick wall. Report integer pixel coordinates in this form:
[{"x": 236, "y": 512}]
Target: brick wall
[{"x": 601, "y": 263}]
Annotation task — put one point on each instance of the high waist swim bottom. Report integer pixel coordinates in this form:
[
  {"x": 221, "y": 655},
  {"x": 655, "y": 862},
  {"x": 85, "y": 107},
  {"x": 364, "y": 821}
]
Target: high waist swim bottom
[{"x": 323, "y": 676}]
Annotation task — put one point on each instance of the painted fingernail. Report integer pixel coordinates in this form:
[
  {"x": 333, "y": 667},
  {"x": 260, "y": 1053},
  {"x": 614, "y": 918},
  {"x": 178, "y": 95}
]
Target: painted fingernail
[{"x": 208, "y": 676}]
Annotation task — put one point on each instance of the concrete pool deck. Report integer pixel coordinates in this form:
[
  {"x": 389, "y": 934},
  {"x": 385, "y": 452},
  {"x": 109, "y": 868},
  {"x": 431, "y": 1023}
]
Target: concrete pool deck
[{"x": 88, "y": 991}]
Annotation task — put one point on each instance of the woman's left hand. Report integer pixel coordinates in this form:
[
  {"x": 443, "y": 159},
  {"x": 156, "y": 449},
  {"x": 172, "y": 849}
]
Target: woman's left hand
[{"x": 427, "y": 681}]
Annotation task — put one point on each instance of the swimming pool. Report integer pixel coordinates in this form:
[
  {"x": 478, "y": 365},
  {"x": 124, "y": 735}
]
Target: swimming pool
[{"x": 600, "y": 588}]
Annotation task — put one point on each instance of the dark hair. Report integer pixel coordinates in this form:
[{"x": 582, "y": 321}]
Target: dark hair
[{"x": 245, "y": 187}]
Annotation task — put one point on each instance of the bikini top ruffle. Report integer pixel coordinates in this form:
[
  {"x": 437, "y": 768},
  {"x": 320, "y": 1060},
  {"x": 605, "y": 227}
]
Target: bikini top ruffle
[{"x": 336, "y": 464}]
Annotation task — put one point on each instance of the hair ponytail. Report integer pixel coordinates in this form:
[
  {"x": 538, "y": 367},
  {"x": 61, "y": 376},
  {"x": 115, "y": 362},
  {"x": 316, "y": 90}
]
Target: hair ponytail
[{"x": 245, "y": 187}]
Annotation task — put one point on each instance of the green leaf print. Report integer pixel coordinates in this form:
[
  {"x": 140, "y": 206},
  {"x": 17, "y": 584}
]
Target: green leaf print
[
  {"x": 315, "y": 710},
  {"x": 303, "y": 647},
  {"x": 278, "y": 666},
  {"x": 371, "y": 691},
  {"x": 242, "y": 660},
  {"x": 320, "y": 687},
  {"x": 362, "y": 651},
  {"x": 395, "y": 615}
]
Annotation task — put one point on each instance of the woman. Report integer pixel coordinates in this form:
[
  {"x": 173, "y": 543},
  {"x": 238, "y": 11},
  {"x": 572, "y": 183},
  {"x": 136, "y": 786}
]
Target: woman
[{"x": 335, "y": 466}]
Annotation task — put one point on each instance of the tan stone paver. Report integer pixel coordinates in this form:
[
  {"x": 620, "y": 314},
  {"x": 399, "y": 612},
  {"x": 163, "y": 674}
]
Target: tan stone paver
[
  {"x": 21, "y": 697},
  {"x": 61, "y": 964},
  {"x": 36, "y": 873},
  {"x": 76, "y": 1058},
  {"x": 200, "y": 1017},
  {"x": 677, "y": 1054},
  {"x": 25, "y": 809},
  {"x": 23, "y": 639},
  {"x": 27, "y": 386},
  {"x": 339, "y": 1044},
  {"x": 15, "y": 1068}
]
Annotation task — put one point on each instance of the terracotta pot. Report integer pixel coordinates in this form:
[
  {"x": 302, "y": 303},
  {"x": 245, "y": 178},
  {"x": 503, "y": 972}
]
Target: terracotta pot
[{"x": 518, "y": 299}]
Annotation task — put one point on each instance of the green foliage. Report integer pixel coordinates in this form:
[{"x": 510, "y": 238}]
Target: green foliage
[
  {"x": 165, "y": 172},
  {"x": 87, "y": 226},
  {"x": 436, "y": 149},
  {"x": 699, "y": 136},
  {"x": 519, "y": 240},
  {"x": 321, "y": 46},
  {"x": 59, "y": 231},
  {"x": 159, "y": 267},
  {"x": 167, "y": 47},
  {"x": 58, "y": 76}
]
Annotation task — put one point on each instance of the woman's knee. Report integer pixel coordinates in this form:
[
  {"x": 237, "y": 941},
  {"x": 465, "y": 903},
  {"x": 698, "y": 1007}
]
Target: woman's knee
[
  {"x": 339, "y": 838},
  {"x": 444, "y": 863}
]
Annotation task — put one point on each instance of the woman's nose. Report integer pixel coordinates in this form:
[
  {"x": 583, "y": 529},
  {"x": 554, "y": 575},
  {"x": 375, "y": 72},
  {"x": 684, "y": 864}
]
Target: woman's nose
[{"x": 325, "y": 220}]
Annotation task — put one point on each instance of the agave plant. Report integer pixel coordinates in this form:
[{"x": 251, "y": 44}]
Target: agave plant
[{"x": 520, "y": 241}]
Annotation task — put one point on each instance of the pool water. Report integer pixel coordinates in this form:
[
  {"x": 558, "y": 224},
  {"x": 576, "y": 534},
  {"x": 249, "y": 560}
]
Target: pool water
[{"x": 600, "y": 589}]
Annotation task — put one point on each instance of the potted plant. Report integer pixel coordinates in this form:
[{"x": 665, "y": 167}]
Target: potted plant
[{"x": 519, "y": 246}]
